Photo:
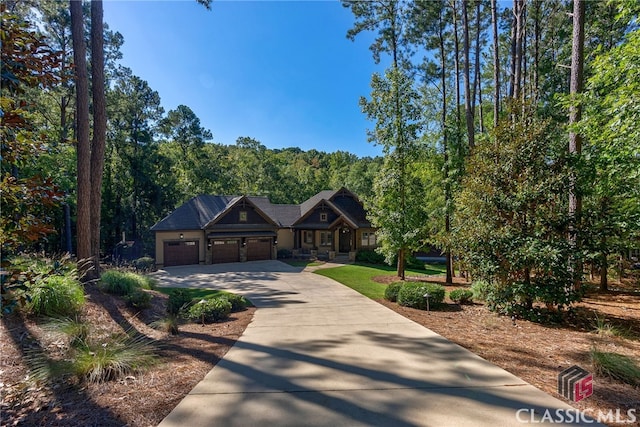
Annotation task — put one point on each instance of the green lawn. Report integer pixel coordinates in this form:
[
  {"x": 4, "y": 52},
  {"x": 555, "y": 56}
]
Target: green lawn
[
  {"x": 358, "y": 276},
  {"x": 303, "y": 263}
]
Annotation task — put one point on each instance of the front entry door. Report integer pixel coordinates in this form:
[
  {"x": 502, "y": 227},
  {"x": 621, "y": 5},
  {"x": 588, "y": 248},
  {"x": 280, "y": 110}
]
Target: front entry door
[{"x": 345, "y": 240}]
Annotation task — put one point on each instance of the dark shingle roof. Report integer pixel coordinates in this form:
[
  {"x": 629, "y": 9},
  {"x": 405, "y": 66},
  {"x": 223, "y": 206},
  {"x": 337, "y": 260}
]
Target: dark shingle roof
[
  {"x": 194, "y": 214},
  {"x": 201, "y": 210}
]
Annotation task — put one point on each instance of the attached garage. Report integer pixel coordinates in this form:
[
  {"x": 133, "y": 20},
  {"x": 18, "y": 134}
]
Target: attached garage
[
  {"x": 227, "y": 250},
  {"x": 181, "y": 252},
  {"x": 259, "y": 249}
]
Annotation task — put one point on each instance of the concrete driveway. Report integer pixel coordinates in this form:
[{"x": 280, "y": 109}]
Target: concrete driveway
[{"x": 319, "y": 354}]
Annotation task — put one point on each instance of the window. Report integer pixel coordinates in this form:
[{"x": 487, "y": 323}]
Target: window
[
  {"x": 368, "y": 239},
  {"x": 326, "y": 238},
  {"x": 308, "y": 236},
  {"x": 243, "y": 216},
  {"x": 323, "y": 217}
]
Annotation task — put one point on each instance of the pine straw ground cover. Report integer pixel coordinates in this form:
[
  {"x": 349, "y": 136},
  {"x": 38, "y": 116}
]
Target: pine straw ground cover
[
  {"x": 142, "y": 400},
  {"x": 537, "y": 353}
]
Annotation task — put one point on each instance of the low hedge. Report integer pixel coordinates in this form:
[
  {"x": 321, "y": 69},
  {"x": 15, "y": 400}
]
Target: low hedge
[
  {"x": 413, "y": 295},
  {"x": 391, "y": 293},
  {"x": 461, "y": 296},
  {"x": 209, "y": 310}
]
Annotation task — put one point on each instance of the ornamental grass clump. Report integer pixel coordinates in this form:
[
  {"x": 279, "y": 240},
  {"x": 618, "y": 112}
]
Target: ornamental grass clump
[
  {"x": 58, "y": 295},
  {"x": 617, "y": 366},
  {"x": 124, "y": 282}
]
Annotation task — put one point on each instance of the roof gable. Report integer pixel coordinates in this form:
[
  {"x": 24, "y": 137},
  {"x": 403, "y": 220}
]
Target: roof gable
[{"x": 193, "y": 214}]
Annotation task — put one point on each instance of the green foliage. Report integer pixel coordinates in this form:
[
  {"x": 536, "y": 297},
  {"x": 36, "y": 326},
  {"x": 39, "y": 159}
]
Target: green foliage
[
  {"x": 370, "y": 257},
  {"x": 75, "y": 328},
  {"x": 617, "y": 366},
  {"x": 511, "y": 221},
  {"x": 480, "y": 289},
  {"x": 611, "y": 153},
  {"x": 604, "y": 328},
  {"x": 179, "y": 299},
  {"x": 461, "y": 296},
  {"x": 124, "y": 282},
  {"x": 413, "y": 295},
  {"x": 211, "y": 310},
  {"x": 113, "y": 359},
  {"x": 396, "y": 208},
  {"x": 55, "y": 296},
  {"x": 238, "y": 303},
  {"x": 138, "y": 298},
  {"x": 391, "y": 293},
  {"x": 28, "y": 200}
]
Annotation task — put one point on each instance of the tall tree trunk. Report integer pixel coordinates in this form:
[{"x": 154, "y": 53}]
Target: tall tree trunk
[
  {"x": 518, "y": 7},
  {"x": 468, "y": 106},
  {"x": 575, "y": 139},
  {"x": 477, "y": 78},
  {"x": 496, "y": 64},
  {"x": 456, "y": 53},
  {"x": 604, "y": 269},
  {"x": 83, "y": 231},
  {"x": 512, "y": 64},
  {"x": 99, "y": 125},
  {"x": 536, "y": 51},
  {"x": 445, "y": 147}
]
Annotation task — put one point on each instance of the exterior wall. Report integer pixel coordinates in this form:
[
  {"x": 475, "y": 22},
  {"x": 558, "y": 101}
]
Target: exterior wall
[
  {"x": 285, "y": 239},
  {"x": 174, "y": 236},
  {"x": 359, "y": 238}
]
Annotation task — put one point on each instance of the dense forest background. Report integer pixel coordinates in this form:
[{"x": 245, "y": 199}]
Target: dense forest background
[{"x": 510, "y": 133}]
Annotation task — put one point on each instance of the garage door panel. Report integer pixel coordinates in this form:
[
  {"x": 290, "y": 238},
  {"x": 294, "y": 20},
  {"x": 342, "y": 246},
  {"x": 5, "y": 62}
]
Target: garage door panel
[
  {"x": 226, "y": 251},
  {"x": 181, "y": 253},
  {"x": 258, "y": 249}
]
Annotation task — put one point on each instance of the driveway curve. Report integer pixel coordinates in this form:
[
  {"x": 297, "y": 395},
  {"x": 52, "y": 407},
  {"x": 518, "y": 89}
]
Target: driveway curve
[{"x": 320, "y": 354}]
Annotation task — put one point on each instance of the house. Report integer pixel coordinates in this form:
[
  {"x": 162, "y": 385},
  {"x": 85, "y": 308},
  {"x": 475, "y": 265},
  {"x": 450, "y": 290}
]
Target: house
[{"x": 212, "y": 229}]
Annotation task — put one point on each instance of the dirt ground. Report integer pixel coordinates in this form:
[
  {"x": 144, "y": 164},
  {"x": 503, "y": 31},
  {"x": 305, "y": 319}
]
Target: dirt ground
[
  {"x": 537, "y": 353},
  {"x": 531, "y": 351},
  {"x": 142, "y": 400}
]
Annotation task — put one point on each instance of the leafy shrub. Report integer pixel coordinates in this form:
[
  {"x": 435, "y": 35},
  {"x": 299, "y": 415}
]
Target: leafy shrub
[
  {"x": 616, "y": 366},
  {"x": 138, "y": 299},
  {"x": 179, "y": 299},
  {"x": 238, "y": 302},
  {"x": 480, "y": 289},
  {"x": 414, "y": 263},
  {"x": 55, "y": 296},
  {"x": 124, "y": 282},
  {"x": 412, "y": 295},
  {"x": 209, "y": 310},
  {"x": 391, "y": 293},
  {"x": 461, "y": 296},
  {"x": 370, "y": 257},
  {"x": 144, "y": 264}
]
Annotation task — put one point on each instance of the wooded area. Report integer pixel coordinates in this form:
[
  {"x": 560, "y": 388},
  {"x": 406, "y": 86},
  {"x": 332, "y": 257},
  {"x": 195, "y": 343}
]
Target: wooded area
[{"x": 510, "y": 131}]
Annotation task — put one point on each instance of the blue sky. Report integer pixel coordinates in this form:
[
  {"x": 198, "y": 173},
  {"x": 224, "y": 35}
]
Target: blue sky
[{"x": 282, "y": 72}]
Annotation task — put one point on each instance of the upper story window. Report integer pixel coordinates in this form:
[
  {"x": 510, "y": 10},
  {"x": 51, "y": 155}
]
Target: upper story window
[
  {"x": 323, "y": 217},
  {"x": 243, "y": 216}
]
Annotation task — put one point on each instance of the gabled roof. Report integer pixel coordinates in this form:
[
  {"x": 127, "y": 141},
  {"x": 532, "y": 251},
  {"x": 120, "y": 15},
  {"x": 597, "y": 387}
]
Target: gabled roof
[
  {"x": 204, "y": 210},
  {"x": 254, "y": 201},
  {"x": 194, "y": 214}
]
